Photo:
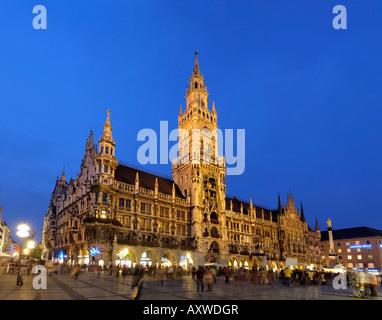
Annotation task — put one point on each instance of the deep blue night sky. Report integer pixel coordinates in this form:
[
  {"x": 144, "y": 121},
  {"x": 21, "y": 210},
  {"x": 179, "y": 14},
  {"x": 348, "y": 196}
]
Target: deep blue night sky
[{"x": 308, "y": 96}]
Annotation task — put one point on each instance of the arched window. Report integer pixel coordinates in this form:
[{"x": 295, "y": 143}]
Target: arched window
[
  {"x": 214, "y": 231},
  {"x": 213, "y": 215}
]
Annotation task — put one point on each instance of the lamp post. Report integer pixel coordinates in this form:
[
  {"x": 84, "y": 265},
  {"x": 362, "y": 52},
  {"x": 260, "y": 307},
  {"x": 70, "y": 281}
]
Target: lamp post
[{"x": 22, "y": 233}]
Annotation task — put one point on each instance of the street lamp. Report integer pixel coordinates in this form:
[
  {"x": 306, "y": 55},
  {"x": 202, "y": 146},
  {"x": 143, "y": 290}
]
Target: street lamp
[
  {"x": 22, "y": 233},
  {"x": 31, "y": 244}
]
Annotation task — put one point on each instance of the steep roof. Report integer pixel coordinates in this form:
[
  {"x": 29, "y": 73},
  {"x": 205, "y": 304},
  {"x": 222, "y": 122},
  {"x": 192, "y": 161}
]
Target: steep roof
[
  {"x": 127, "y": 175},
  {"x": 352, "y": 233}
]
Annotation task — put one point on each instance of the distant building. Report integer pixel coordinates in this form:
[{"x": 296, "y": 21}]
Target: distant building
[
  {"x": 14, "y": 247},
  {"x": 4, "y": 235},
  {"x": 359, "y": 247}
]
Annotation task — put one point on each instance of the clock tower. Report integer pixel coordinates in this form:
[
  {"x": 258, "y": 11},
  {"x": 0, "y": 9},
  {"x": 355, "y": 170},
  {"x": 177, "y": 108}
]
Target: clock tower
[{"x": 200, "y": 172}]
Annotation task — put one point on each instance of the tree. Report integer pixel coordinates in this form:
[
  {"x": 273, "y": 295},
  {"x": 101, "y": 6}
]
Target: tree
[{"x": 36, "y": 252}]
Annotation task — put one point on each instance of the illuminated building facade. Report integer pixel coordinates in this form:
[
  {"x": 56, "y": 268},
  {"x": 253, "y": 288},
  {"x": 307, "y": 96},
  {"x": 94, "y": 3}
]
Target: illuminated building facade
[
  {"x": 115, "y": 213},
  {"x": 5, "y": 238}
]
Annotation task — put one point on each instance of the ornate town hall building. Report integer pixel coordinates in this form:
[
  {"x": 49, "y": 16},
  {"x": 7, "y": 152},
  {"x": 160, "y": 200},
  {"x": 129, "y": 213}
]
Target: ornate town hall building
[{"x": 117, "y": 214}]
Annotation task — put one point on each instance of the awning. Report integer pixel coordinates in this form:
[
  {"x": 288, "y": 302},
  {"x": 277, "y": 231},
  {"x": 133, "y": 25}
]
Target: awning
[{"x": 213, "y": 264}]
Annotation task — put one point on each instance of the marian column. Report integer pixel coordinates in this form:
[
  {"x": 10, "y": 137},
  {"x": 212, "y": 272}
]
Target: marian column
[{"x": 332, "y": 254}]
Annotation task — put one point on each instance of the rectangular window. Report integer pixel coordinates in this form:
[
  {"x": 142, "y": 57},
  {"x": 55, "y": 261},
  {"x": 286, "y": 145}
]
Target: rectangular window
[
  {"x": 370, "y": 265},
  {"x": 107, "y": 150},
  {"x": 350, "y": 257},
  {"x": 339, "y": 250},
  {"x": 367, "y": 241},
  {"x": 128, "y": 203},
  {"x": 359, "y": 257},
  {"x": 370, "y": 256},
  {"x": 338, "y": 244},
  {"x": 104, "y": 197},
  {"x": 348, "y": 250},
  {"x": 145, "y": 208},
  {"x": 181, "y": 215},
  {"x": 350, "y": 265},
  {"x": 164, "y": 212},
  {"x": 121, "y": 202}
]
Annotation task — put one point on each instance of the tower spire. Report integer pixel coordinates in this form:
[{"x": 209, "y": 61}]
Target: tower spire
[
  {"x": 279, "y": 206},
  {"x": 107, "y": 135},
  {"x": 196, "y": 65}
]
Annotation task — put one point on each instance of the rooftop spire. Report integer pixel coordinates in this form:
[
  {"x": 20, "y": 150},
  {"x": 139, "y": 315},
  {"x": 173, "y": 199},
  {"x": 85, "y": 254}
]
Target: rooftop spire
[
  {"x": 107, "y": 135},
  {"x": 317, "y": 226},
  {"x": 196, "y": 65},
  {"x": 279, "y": 206},
  {"x": 63, "y": 177},
  {"x": 302, "y": 214}
]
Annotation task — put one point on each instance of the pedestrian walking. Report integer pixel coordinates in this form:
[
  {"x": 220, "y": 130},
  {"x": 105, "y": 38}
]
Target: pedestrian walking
[
  {"x": 287, "y": 275},
  {"x": 263, "y": 276},
  {"x": 76, "y": 271},
  {"x": 213, "y": 272},
  {"x": 209, "y": 279},
  {"x": 20, "y": 280},
  {"x": 323, "y": 278},
  {"x": 373, "y": 284},
  {"x": 193, "y": 273},
  {"x": 199, "y": 279},
  {"x": 227, "y": 274}
]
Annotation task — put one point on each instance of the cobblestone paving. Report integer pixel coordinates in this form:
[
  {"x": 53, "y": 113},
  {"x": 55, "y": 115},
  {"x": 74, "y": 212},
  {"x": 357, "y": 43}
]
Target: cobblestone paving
[{"x": 89, "y": 286}]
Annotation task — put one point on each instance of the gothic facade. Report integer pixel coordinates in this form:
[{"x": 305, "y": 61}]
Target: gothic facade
[{"x": 114, "y": 213}]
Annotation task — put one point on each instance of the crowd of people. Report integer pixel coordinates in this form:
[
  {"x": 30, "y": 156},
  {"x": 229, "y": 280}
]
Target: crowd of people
[{"x": 363, "y": 283}]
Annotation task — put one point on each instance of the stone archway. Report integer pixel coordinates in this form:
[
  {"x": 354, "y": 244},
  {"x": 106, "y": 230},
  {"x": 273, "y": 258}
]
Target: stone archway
[
  {"x": 126, "y": 257},
  {"x": 148, "y": 258},
  {"x": 244, "y": 263},
  {"x": 167, "y": 258},
  {"x": 233, "y": 263},
  {"x": 255, "y": 263}
]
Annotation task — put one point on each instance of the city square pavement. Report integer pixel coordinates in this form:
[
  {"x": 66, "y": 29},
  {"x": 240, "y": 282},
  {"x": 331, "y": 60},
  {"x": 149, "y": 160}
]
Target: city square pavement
[{"x": 89, "y": 286}]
